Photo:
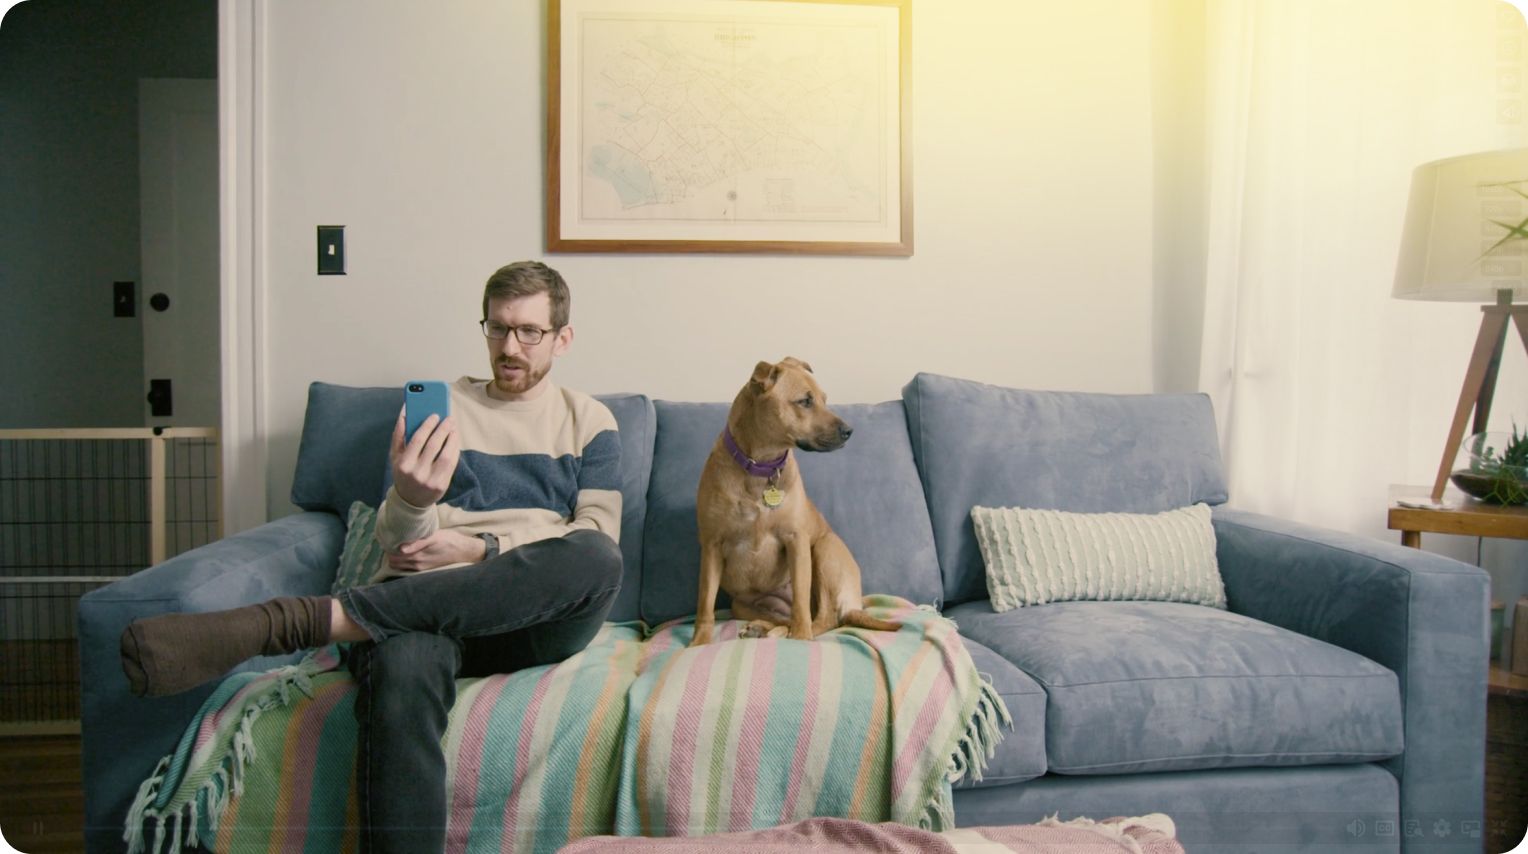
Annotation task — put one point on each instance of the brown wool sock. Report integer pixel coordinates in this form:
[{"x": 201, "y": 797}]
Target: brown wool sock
[{"x": 176, "y": 652}]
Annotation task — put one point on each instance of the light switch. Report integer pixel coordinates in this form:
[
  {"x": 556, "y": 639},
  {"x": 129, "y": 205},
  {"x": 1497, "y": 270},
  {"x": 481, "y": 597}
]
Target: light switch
[{"x": 331, "y": 250}]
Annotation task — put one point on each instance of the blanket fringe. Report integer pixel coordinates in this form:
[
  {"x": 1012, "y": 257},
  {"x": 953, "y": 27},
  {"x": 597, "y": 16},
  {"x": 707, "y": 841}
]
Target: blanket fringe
[
  {"x": 977, "y": 744},
  {"x": 147, "y": 792},
  {"x": 181, "y": 819},
  {"x": 982, "y": 735},
  {"x": 939, "y": 814},
  {"x": 1115, "y": 828}
]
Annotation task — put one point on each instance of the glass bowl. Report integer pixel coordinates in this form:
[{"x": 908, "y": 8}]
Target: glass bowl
[{"x": 1482, "y": 474}]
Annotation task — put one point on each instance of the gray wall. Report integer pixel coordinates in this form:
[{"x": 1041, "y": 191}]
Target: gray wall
[{"x": 69, "y": 73}]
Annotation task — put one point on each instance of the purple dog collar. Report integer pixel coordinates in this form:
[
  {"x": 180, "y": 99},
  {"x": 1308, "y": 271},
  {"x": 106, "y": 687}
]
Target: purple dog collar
[{"x": 757, "y": 469}]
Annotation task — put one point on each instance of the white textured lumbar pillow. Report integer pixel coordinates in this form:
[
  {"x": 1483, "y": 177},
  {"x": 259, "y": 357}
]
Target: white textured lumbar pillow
[{"x": 1039, "y": 556}]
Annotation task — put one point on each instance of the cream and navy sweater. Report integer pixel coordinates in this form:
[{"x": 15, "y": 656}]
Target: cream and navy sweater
[{"x": 529, "y": 470}]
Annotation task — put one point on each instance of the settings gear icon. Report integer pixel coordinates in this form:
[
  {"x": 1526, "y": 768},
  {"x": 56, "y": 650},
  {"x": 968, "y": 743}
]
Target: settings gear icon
[{"x": 1442, "y": 828}]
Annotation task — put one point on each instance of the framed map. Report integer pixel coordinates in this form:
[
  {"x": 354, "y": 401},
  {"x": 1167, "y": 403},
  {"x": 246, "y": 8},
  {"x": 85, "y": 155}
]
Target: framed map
[{"x": 729, "y": 126}]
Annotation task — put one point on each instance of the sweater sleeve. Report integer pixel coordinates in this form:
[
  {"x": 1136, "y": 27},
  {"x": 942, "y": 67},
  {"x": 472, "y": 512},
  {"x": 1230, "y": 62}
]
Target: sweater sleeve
[
  {"x": 399, "y": 522},
  {"x": 599, "y": 486}
]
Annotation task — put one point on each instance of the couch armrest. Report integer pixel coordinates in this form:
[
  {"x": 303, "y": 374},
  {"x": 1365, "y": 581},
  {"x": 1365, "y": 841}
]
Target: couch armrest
[
  {"x": 1424, "y": 616},
  {"x": 123, "y": 736}
]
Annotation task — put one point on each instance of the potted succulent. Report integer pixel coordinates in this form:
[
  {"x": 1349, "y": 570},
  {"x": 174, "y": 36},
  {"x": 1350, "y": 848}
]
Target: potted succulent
[{"x": 1498, "y": 468}]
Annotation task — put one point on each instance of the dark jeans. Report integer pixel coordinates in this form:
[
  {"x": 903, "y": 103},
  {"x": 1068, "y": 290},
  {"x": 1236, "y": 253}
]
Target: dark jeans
[{"x": 537, "y": 604}]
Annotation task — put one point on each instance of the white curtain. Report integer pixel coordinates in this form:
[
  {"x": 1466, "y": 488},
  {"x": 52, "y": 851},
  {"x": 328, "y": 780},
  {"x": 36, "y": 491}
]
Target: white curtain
[{"x": 1326, "y": 389}]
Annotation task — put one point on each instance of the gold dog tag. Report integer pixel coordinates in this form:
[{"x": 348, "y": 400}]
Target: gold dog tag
[{"x": 773, "y": 497}]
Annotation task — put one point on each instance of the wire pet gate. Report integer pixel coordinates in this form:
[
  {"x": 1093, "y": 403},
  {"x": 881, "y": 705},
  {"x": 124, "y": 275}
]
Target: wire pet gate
[{"x": 80, "y": 509}]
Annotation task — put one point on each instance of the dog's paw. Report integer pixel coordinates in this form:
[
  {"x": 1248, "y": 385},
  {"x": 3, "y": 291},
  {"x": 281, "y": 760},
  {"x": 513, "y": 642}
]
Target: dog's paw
[
  {"x": 756, "y": 629},
  {"x": 801, "y": 632},
  {"x": 702, "y": 637}
]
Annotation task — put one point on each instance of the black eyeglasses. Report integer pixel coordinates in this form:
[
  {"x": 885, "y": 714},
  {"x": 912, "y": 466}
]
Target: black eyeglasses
[{"x": 530, "y": 336}]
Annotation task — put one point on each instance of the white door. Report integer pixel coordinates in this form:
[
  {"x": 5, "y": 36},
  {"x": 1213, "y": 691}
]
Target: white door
[{"x": 178, "y": 291}]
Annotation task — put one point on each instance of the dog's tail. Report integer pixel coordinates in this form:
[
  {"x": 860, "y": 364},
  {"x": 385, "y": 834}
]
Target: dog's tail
[{"x": 861, "y": 619}]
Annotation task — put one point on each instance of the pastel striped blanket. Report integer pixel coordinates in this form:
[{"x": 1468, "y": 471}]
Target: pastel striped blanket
[{"x": 636, "y": 735}]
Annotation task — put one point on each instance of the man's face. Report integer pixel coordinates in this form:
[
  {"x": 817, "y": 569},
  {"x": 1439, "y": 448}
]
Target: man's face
[{"x": 519, "y": 369}]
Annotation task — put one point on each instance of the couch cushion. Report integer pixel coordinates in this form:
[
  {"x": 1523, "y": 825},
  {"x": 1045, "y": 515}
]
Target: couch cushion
[
  {"x": 1230, "y": 811},
  {"x": 980, "y": 444},
  {"x": 1160, "y": 686},
  {"x": 1021, "y": 753},
  {"x": 638, "y": 424},
  {"x": 868, "y": 490},
  {"x": 343, "y": 458}
]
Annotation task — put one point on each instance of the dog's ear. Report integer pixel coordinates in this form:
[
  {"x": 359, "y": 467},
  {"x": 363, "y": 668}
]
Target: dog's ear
[
  {"x": 764, "y": 377},
  {"x": 792, "y": 361}
]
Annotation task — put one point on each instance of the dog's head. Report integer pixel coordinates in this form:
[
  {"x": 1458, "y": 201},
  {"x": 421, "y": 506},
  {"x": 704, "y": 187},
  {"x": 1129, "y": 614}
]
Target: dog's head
[{"x": 788, "y": 403}]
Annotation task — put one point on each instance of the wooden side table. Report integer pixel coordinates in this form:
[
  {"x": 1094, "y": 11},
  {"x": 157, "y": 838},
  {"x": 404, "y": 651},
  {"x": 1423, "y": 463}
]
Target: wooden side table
[
  {"x": 1463, "y": 517},
  {"x": 1507, "y": 694}
]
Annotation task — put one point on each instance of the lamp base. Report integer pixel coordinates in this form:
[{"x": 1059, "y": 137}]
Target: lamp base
[{"x": 1480, "y": 377}]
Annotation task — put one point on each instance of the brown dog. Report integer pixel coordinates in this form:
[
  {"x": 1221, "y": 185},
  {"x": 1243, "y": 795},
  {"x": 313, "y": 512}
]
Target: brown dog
[{"x": 761, "y": 539}]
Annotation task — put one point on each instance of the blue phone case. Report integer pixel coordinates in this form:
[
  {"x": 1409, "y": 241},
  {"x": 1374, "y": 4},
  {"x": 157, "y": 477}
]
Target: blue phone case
[{"x": 421, "y": 398}]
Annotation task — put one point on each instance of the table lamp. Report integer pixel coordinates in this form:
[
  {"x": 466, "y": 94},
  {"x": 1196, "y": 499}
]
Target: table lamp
[{"x": 1466, "y": 240}]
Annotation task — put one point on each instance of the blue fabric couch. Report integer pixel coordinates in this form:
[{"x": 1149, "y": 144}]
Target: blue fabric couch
[{"x": 1339, "y": 700}]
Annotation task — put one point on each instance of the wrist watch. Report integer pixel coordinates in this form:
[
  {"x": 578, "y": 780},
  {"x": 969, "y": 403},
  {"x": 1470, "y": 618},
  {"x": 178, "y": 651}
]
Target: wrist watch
[{"x": 490, "y": 545}]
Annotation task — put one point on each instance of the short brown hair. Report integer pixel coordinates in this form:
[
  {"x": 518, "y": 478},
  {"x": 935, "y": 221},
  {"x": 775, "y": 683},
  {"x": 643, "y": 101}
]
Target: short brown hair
[{"x": 528, "y": 278}]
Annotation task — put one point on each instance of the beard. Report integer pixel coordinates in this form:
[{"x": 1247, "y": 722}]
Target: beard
[{"x": 520, "y": 382}]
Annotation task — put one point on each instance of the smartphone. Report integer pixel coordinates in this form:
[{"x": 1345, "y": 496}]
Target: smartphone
[{"x": 421, "y": 398}]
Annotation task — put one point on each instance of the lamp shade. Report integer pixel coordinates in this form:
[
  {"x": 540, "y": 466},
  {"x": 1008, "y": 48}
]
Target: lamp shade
[{"x": 1466, "y": 235}]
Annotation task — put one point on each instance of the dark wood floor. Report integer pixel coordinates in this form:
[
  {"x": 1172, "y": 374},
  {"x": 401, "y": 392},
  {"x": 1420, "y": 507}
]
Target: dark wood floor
[
  {"x": 1506, "y": 770},
  {"x": 42, "y": 800}
]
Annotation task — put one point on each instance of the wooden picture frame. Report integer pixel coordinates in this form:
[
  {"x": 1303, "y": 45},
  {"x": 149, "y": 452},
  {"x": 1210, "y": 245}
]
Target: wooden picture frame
[{"x": 754, "y": 126}]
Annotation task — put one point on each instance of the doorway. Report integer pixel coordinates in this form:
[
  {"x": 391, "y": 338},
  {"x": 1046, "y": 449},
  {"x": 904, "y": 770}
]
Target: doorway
[
  {"x": 178, "y": 228},
  {"x": 83, "y": 201}
]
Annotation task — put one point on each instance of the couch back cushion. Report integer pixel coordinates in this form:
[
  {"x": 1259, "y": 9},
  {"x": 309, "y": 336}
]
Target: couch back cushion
[
  {"x": 978, "y": 444},
  {"x": 343, "y": 458},
  {"x": 868, "y": 490}
]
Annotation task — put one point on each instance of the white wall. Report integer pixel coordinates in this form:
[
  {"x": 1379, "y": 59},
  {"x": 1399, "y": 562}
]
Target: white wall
[
  {"x": 420, "y": 127},
  {"x": 1181, "y": 173},
  {"x": 1059, "y": 221}
]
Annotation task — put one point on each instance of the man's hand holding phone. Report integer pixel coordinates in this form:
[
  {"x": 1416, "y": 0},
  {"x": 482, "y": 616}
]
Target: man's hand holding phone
[{"x": 422, "y": 466}]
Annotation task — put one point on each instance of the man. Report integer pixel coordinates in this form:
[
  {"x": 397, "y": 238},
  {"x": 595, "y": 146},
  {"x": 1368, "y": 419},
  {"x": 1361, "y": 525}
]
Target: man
[{"x": 500, "y": 526}]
